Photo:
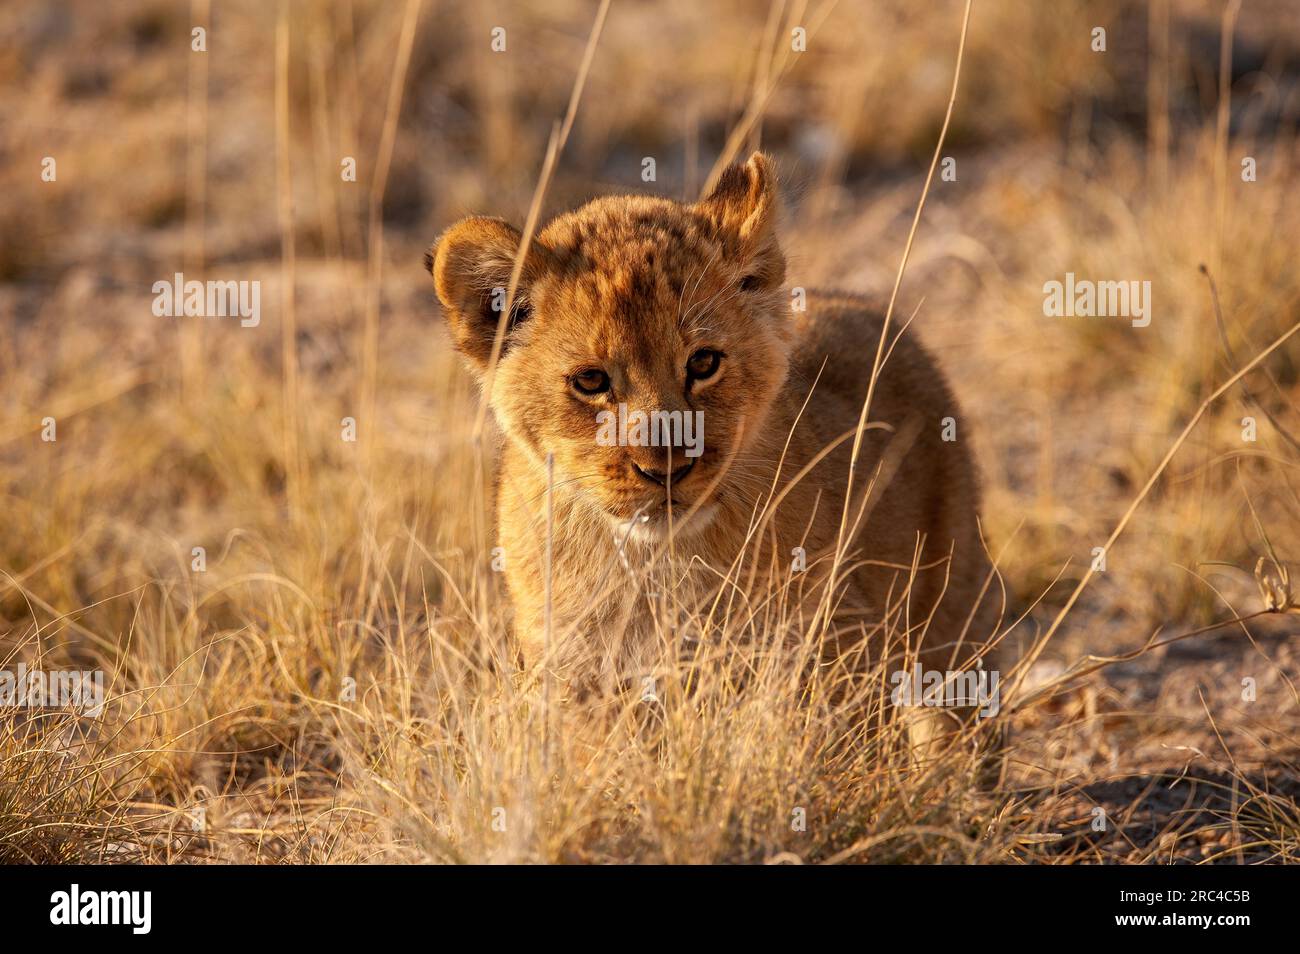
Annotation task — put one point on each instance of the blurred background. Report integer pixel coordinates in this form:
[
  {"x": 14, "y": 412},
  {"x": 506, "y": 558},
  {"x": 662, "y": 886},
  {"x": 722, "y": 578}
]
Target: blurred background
[{"x": 1123, "y": 164}]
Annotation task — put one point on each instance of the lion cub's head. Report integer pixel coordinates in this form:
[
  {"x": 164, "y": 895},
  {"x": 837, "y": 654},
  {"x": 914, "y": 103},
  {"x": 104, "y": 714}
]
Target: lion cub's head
[{"x": 647, "y": 340}]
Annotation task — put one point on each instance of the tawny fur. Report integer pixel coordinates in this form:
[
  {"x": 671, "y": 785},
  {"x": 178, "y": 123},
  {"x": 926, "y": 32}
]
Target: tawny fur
[{"x": 633, "y": 287}]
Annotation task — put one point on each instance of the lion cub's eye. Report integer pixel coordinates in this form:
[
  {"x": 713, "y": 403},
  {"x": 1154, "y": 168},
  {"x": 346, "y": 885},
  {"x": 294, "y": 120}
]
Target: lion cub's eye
[
  {"x": 750, "y": 282},
  {"x": 590, "y": 381},
  {"x": 703, "y": 364}
]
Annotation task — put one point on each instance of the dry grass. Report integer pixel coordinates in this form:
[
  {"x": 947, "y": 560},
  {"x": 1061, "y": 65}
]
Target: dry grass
[{"x": 231, "y": 732}]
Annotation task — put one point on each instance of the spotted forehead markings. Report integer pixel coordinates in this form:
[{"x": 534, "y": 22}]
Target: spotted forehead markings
[
  {"x": 678, "y": 266},
  {"x": 599, "y": 238},
  {"x": 628, "y": 279},
  {"x": 617, "y": 259}
]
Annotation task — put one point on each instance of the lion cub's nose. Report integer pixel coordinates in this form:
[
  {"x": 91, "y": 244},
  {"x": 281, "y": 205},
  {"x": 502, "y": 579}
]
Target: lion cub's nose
[{"x": 661, "y": 477}]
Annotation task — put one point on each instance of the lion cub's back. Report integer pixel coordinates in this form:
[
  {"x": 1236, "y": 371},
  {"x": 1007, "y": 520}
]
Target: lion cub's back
[
  {"x": 838, "y": 336},
  {"x": 931, "y": 491}
]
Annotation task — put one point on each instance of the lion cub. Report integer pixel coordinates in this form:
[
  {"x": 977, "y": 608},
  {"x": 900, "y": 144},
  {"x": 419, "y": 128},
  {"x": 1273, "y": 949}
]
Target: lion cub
[{"x": 697, "y": 420}]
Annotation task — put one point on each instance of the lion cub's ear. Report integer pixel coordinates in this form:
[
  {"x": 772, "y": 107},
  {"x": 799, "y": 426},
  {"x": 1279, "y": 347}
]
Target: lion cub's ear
[
  {"x": 471, "y": 265},
  {"x": 744, "y": 204}
]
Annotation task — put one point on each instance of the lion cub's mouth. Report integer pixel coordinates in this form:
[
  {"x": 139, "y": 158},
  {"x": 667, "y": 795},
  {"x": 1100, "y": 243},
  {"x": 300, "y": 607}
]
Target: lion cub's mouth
[{"x": 651, "y": 525}]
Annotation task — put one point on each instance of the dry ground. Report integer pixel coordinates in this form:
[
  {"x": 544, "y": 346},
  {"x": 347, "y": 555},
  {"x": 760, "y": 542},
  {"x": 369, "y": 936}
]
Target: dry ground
[{"x": 230, "y": 733}]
